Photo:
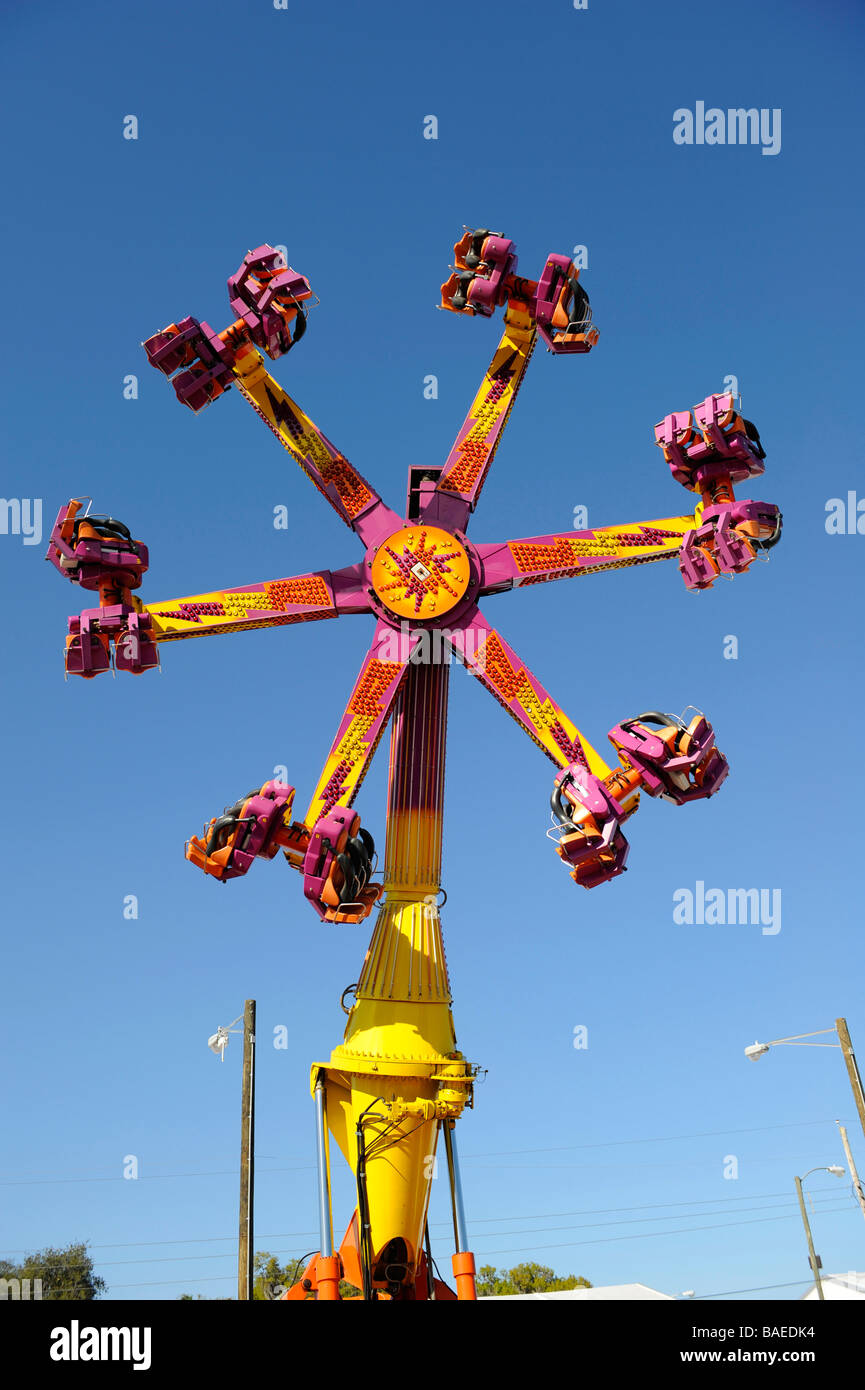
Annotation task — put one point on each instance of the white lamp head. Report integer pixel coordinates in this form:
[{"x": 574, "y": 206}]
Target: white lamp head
[
  {"x": 836, "y": 1171},
  {"x": 218, "y": 1042},
  {"x": 756, "y": 1051}
]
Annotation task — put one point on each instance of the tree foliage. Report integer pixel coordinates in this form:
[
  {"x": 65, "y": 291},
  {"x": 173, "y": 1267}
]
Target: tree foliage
[
  {"x": 525, "y": 1278},
  {"x": 269, "y": 1275},
  {"x": 66, "y": 1273}
]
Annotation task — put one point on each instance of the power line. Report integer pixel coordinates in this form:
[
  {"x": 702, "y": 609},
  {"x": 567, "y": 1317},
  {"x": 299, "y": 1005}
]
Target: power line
[
  {"x": 475, "y": 1221},
  {"x": 648, "y": 1206},
  {"x": 494, "y": 1153},
  {"x": 651, "y": 1235},
  {"x": 762, "y": 1288},
  {"x": 515, "y": 1250},
  {"x": 150, "y": 1177},
  {"x": 660, "y": 1139},
  {"x": 645, "y": 1220},
  {"x": 297, "y": 1235},
  {"x": 626, "y": 1167}
]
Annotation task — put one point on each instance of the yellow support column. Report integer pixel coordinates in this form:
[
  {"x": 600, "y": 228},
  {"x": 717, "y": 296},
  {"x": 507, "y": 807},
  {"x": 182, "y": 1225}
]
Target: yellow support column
[{"x": 398, "y": 1071}]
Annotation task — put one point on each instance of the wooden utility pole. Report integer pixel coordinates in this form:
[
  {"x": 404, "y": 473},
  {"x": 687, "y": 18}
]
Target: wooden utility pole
[
  {"x": 247, "y": 1159},
  {"x": 857, "y": 1186},
  {"x": 812, "y": 1257},
  {"x": 852, "y": 1068}
]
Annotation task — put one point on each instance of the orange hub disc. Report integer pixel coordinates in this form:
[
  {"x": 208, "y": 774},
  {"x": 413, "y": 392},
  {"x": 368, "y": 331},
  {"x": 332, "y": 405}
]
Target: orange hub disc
[{"x": 420, "y": 572}]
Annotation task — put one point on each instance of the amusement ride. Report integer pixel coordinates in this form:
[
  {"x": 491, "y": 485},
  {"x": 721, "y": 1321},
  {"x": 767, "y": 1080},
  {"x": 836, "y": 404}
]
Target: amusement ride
[{"x": 397, "y": 1083}]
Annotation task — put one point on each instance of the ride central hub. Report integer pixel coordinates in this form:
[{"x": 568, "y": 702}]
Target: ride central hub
[{"x": 420, "y": 572}]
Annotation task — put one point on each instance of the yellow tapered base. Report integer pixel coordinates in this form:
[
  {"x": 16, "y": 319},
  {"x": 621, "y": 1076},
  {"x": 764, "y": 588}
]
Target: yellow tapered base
[{"x": 398, "y": 1071}]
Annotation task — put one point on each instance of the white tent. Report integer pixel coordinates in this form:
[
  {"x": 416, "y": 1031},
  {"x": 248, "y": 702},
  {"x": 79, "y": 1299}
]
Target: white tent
[
  {"x": 607, "y": 1293},
  {"x": 838, "y": 1286}
]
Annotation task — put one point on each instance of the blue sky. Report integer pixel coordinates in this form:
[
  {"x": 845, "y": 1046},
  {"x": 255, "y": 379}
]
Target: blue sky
[{"x": 304, "y": 128}]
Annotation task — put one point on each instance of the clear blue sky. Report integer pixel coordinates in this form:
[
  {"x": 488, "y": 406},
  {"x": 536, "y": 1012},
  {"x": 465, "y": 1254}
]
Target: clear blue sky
[{"x": 304, "y": 127}]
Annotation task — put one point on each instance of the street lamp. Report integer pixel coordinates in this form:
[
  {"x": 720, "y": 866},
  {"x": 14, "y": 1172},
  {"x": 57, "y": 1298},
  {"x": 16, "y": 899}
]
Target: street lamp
[
  {"x": 813, "y": 1258},
  {"x": 218, "y": 1042},
  {"x": 758, "y": 1050}
]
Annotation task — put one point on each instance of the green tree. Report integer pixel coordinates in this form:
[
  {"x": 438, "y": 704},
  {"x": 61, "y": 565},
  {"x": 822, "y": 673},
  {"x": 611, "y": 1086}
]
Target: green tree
[
  {"x": 525, "y": 1278},
  {"x": 66, "y": 1273},
  {"x": 268, "y": 1274}
]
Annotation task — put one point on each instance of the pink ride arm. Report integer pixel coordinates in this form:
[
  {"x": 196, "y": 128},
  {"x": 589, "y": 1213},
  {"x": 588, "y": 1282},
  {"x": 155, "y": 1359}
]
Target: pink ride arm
[
  {"x": 497, "y": 666},
  {"x": 273, "y": 603},
  {"x": 268, "y": 298},
  {"x": 466, "y": 467},
  {"x": 564, "y": 555},
  {"x": 354, "y": 500},
  {"x": 364, "y": 721}
]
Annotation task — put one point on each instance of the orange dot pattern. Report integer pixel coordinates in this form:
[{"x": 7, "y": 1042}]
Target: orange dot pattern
[
  {"x": 475, "y": 451},
  {"x": 350, "y": 486},
  {"x": 594, "y": 569},
  {"x": 562, "y": 553},
  {"x": 559, "y": 555},
  {"x": 498, "y": 670},
  {"x": 322, "y": 465},
  {"x": 353, "y": 749},
  {"x": 307, "y": 589},
  {"x": 376, "y": 679},
  {"x": 228, "y": 607},
  {"x": 543, "y": 719}
]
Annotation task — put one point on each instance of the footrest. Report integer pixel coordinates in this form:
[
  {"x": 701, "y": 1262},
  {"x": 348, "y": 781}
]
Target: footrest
[
  {"x": 338, "y": 866},
  {"x": 715, "y": 444},
  {"x": 483, "y": 261},
  {"x": 95, "y": 551},
  {"x": 676, "y": 759},
  {"x": 251, "y": 828},
  {"x": 562, "y": 309},
  {"x": 267, "y": 296},
  {"x": 206, "y": 356},
  {"x": 589, "y": 821}
]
